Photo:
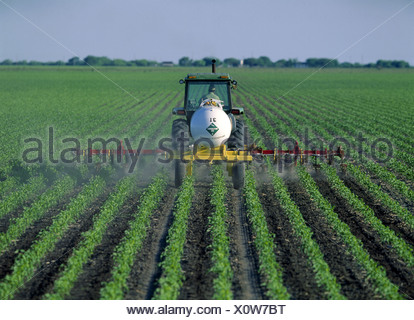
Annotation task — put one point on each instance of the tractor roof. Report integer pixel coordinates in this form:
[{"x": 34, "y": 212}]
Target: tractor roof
[{"x": 208, "y": 76}]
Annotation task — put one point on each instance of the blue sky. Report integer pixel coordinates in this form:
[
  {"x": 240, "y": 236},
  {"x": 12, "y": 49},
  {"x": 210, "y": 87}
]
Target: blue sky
[{"x": 356, "y": 31}]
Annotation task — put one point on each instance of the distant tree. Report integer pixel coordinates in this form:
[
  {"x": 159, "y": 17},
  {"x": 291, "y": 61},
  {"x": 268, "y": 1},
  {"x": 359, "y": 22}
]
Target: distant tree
[
  {"x": 104, "y": 61},
  {"x": 311, "y": 62},
  {"x": 280, "y": 63},
  {"x": 119, "y": 63},
  {"x": 392, "y": 64},
  {"x": 91, "y": 60},
  {"x": 264, "y": 62},
  {"x": 290, "y": 63},
  {"x": 400, "y": 64},
  {"x": 251, "y": 62},
  {"x": 34, "y": 63},
  {"x": 332, "y": 63},
  {"x": 322, "y": 63},
  {"x": 144, "y": 63},
  {"x": 185, "y": 62},
  {"x": 383, "y": 64},
  {"x": 199, "y": 63},
  {"x": 75, "y": 61},
  {"x": 231, "y": 62},
  {"x": 152, "y": 63},
  {"x": 58, "y": 63},
  {"x": 6, "y": 62},
  {"x": 140, "y": 63},
  {"x": 97, "y": 61},
  {"x": 208, "y": 62},
  {"x": 346, "y": 65}
]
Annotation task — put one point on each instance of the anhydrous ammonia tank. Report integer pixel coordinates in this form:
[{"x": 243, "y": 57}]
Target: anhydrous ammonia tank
[{"x": 211, "y": 123}]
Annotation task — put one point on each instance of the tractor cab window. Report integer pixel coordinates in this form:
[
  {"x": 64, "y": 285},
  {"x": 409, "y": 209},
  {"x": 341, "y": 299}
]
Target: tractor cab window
[{"x": 197, "y": 91}]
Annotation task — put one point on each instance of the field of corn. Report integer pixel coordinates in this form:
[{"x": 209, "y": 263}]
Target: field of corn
[{"x": 311, "y": 231}]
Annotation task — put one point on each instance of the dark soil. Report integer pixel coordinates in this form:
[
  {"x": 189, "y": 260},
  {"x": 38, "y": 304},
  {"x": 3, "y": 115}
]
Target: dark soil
[
  {"x": 397, "y": 271},
  {"x": 145, "y": 271},
  {"x": 298, "y": 276},
  {"x": 388, "y": 218},
  {"x": 243, "y": 258},
  {"x": 98, "y": 269},
  {"x": 196, "y": 262},
  {"x": 52, "y": 263},
  {"x": 9, "y": 256},
  {"x": 342, "y": 265}
]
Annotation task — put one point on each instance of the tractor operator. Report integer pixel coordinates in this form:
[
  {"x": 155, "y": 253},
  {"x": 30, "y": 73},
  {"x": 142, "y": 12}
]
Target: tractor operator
[{"x": 211, "y": 93}]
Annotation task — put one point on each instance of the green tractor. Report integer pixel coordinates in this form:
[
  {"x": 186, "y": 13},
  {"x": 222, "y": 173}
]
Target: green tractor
[{"x": 211, "y": 124}]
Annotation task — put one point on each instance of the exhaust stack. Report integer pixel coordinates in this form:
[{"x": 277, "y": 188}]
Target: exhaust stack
[{"x": 213, "y": 66}]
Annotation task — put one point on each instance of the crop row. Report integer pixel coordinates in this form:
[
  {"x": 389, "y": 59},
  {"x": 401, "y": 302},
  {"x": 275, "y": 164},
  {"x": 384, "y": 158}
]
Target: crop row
[
  {"x": 374, "y": 168},
  {"x": 364, "y": 180},
  {"x": 7, "y": 186},
  {"x": 404, "y": 249},
  {"x": 127, "y": 249},
  {"x": 172, "y": 275},
  {"x": 34, "y": 186},
  {"x": 374, "y": 272},
  {"x": 220, "y": 247},
  {"x": 150, "y": 113},
  {"x": 349, "y": 129},
  {"x": 324, "y": 278},
  {"x": 27, "y": 262},
  {"x": 375, "y": 122},
  {"x": 387, "y": 235},
  {"x": 264, "y": 243},
  {"x": 301, "y": 228},
  {"x": 91, "y": 239},
  {"x": 264, "y": 240},
  {"x": 33, "y": 213}
]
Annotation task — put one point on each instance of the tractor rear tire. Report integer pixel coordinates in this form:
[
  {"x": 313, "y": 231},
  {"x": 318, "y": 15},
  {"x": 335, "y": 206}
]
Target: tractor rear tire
[
  {"x": 236, "y": 140},
  {"x": 180, "y": 130},
  {"x": 238, "y": 173},
  {"x": 179, "y": 169}
]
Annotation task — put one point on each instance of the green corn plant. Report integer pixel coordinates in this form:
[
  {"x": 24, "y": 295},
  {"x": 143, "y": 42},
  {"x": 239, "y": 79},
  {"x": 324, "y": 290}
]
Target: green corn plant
[
  {"x": 264, "y": 243},
  {"x": 27, "y": 262},
  {"x": 172, "y": 275},
  {"x": 127, "y": 249},
  {"x": 91, "y": 239},
  {"x": 220, "y": 247},
  {"x": 377, "y": 274}
]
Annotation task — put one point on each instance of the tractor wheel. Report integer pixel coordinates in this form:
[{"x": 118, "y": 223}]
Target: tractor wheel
[
  {"x": 179, "y": 168},
  {"x": 180, "y": 130},
  {"x": 238, "y": 173},
  {"x": 236, "y": 140}
]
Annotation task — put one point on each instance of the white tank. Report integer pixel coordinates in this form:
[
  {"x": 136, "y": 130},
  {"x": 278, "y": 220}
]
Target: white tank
[{"x": 210, "y": 122}]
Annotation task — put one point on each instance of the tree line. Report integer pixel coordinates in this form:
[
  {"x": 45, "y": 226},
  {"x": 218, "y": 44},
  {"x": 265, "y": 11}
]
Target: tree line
[{"x": 261, "y": 62}]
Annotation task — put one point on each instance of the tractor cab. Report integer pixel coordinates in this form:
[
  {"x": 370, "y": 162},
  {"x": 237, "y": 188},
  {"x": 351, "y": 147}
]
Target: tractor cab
[
  {"x": 201, "y": 86},
  {"x": 207, "y": 88}
]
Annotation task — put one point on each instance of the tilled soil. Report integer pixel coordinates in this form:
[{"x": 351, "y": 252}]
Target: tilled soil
[
  {"x": 298, "y": 275},
  {"x": 243, "y": 258},
  {"x": 51, "y": 265},
  {"x": 8, "y": 257},
  {"x": 98, "y": 269},
  {"x": 145, "y": 271},
  {"x": 397, "y": 271},
  {"x": 387, "y": 217},
  {"x": 196, "y": 262},
  {"x": 342, "y": 265}
]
